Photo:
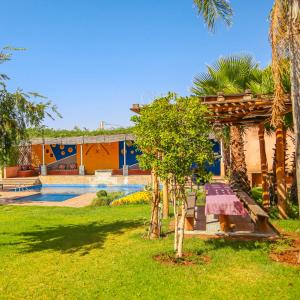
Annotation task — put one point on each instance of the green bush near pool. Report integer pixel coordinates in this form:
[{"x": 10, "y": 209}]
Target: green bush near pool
[{"x": 104, "y": 198}]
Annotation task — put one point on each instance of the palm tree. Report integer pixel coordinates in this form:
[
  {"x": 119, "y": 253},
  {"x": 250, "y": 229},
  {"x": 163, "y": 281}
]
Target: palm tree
[
  {"x": 231, "y": 75},
  {"x": 285, "y": 41}
]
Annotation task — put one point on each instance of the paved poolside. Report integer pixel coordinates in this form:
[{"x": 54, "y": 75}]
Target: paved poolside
[{"x": 11, "y": 198}]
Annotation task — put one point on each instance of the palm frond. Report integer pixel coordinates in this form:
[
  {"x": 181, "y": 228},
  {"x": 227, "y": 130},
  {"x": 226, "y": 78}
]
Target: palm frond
[{"x": 212, "y": 10}]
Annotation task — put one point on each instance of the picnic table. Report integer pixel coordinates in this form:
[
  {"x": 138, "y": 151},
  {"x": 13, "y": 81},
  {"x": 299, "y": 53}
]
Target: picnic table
[{"x": 221, "y": 200}]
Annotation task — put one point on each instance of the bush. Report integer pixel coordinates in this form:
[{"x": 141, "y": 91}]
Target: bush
[
  {"x": 135, "y": 198},
  {"x": 103, "y": 201},
  {"x": 101, "y": 193},
  {"x": 103, "y": 198}
]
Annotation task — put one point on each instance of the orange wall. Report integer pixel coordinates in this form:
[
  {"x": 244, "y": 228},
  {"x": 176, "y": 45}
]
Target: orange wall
[
  {"x": 252, "y": 149},
  {"x": 37, "y": 155},
  {"x": 99, "y": 157}
]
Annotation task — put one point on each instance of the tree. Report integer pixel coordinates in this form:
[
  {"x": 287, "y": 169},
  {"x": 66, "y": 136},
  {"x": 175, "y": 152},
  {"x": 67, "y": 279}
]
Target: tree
[
  {"x": 17, "y": 112},
  {"x": 173, "y": 133},
  {"x": 231, "y": 75},
  {"x": 285, "y": 40}
]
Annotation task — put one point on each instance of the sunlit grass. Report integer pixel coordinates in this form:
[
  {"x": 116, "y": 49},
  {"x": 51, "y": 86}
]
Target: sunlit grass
[{"x": 99, "y": 253}]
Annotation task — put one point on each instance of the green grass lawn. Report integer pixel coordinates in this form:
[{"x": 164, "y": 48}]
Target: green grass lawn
[{"x": 98, "y": 253}]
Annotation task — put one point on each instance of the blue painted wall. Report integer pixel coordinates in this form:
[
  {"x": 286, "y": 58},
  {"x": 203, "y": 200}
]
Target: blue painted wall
[
  {"x": 63, "y": 151},
  {"x": 215, "y": 168},
  {"x": 131, "y": 154}
]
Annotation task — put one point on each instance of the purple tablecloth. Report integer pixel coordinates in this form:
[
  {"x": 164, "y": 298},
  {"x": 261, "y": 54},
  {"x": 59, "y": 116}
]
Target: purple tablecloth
[{"x": 220, "y": 200}]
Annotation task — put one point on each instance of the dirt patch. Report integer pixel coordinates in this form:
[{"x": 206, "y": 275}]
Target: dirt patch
[
  {"x": 290, "y": 257},
  {"x": 287, "y": 250},
  {"x": 188, "y": 259}
]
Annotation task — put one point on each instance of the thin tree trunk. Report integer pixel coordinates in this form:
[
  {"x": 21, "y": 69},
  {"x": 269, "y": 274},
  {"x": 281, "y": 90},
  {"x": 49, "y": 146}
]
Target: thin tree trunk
[
  {"x": 264, "y": 167},
  {"x": 239, "y": 177},
  {"x": 295, "y": 81},
  {"x": 154, "y": 231},
  {"x": 166, "y": 199},
  {"x": 280, "y": 174},
  {"x": 179, "y": 253},
  {"x": 174, "y": 195}
]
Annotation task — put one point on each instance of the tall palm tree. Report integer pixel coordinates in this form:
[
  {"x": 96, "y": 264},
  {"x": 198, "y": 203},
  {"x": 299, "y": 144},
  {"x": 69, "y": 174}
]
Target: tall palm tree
[
  {"x": 285, "y": 41},
  {"x": 231, "y": 75}
]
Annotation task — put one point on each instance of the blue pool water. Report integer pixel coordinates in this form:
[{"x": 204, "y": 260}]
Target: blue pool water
[{"x": 59, "y": 193}]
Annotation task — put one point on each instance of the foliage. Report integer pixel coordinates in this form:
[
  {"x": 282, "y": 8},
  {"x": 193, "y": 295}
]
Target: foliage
[
  {"x": 17, "y": 112},
  {"x": 230, "y": 75},
  {"x": 135, "y": 198},
  {"x": 104, "y": 198},
  {"x": 292, "y": 208},
  {"x": 172, "y": 134},
  {"x": 76, "y": 131},
  {"x": 101, "y": 193},
  {"x": 211, "y": 10},
  {"x": 98, "y": 253}
]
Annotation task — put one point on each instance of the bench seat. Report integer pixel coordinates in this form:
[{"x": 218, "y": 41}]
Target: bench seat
[{"x": 256, "y": 213}]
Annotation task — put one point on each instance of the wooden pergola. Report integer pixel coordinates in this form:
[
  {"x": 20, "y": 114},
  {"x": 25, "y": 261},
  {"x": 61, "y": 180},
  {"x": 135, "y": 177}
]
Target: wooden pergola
[{"x": 246, "y": 109}]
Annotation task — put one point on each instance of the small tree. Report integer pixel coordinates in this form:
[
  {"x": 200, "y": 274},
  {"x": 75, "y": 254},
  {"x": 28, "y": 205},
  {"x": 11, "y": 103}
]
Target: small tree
[
  {"x": 17, "y": 112},
  {"x": 173, "y": 133}
]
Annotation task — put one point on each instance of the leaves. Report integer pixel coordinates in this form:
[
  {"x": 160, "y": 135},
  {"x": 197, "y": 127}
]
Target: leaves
[
  {"x": 17, "y": 112},
  {"x": 229, "y": 75},
  {"x": 212, "y": 10},
  {"x": 173, "y": 133}
]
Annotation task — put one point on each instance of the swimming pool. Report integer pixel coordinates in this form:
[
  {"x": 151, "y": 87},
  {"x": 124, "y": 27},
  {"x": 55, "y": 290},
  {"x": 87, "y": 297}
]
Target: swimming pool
[{"x": 59, "y": 193}]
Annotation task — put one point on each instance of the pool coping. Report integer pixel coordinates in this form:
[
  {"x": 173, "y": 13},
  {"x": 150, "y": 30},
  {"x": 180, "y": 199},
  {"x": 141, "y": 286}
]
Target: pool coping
[{"x": 11, "y": 198}]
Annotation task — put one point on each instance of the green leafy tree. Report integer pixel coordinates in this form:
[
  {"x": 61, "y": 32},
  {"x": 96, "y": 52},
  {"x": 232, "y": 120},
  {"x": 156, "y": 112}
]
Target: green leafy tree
[
  {"x": 17, "y": 112},
  {"x": 173, "y": 133}
]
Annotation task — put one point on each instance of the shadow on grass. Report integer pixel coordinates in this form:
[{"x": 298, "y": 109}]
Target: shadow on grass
[{"x": 80, "y": 238}]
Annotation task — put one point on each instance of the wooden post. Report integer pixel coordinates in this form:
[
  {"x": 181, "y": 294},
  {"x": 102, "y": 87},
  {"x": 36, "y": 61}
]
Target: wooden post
[
  {"x": 81, "y": 155},
  {"x": 264, "y": 167},
  {"x": 43, "y": 153},
  {"x": 165, "y": 199},
  {"x": 280, "y": 175}
]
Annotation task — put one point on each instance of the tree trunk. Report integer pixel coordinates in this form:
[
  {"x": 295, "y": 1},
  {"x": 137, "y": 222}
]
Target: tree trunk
[
  {"x": 226, "y": 158},
  {"x": 175, "y": 209},
  {"x": 179, "y": 253},
  {"x": 166, "y": 199},
  {"x": 264, "y": 167},
  {"x": 154, "y": 231},
  {"x": 239, "y": 177},
  {"x": 295, "y": 81},
  {"x": 280, "y": 173}
]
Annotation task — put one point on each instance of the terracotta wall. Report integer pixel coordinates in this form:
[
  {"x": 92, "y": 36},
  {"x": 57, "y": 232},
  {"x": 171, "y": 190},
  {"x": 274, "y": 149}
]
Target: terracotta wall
[
  {"x": 99, "y": 157},
  {"x": 252, "y": 149}
]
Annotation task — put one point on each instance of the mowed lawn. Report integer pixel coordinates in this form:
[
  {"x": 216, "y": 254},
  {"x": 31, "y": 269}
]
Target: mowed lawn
[{"x": 99, "y": 253}]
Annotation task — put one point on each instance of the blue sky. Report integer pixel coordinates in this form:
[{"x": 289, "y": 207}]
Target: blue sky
[{"x": 94, "y": 58}]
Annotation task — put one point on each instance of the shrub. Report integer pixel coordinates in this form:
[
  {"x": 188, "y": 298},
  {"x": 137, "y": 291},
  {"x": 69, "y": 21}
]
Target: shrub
[
  {"x": 102, "y": 201},
  {"x": 103, "y": 198},
  {"x": 135, "y": 198},
  {"x": 101, "y": 193}
]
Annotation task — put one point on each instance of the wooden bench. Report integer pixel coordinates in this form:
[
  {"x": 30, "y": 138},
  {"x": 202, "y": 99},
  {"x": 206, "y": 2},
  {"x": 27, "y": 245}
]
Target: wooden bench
[
  {"x": 190, "y": 211},
  {"x": 257, "y": 214},
  {"x": 18, "y": 183}
]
